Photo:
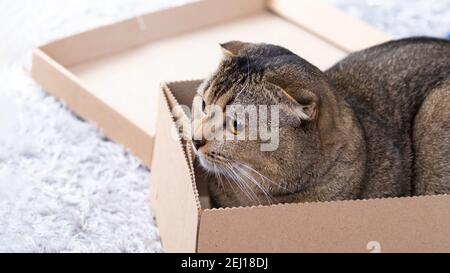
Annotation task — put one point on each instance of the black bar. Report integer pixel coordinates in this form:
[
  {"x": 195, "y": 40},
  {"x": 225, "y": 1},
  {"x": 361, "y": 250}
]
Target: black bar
[{"x": 149, "y": 263}]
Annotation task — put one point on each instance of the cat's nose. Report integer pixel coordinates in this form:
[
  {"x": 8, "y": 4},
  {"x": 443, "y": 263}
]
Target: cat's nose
[{"x": 198, "y": 143}]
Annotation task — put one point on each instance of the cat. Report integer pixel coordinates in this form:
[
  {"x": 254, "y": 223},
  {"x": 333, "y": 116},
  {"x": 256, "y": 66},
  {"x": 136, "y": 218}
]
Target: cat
[{"x": 375, "y": 125}]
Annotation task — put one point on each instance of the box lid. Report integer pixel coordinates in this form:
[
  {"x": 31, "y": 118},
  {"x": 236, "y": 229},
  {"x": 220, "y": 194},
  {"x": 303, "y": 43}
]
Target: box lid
[{"x": 111, "y": 75}]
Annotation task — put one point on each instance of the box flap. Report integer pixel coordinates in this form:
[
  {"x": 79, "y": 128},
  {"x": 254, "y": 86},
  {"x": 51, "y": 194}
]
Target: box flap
[
  {"x": 173, "y": 197},
  {"x": 182, "y": 93}
]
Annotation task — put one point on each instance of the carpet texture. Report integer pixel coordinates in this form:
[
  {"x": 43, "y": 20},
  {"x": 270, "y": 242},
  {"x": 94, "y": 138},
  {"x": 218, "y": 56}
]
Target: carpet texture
[{"x": 63, "y": 186}]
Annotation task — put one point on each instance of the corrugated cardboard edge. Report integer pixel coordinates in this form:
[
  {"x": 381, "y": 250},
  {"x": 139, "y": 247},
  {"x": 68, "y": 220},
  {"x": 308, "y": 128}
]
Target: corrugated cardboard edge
[
  {"x": 330, "y": 202},
  {"x": 409, "y": 224},
  {"x": 61, "y": 83},
  {"x": 173, "y": 195},
  {"x": 199, "y": 177},
  {"x": 172, "y": 101},
  {"x": 187, "y": 145},
  {"x": 330, "y": 24}
]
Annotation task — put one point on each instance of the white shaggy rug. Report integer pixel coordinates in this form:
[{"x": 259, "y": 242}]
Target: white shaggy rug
[{"x": 63, "y": 187}]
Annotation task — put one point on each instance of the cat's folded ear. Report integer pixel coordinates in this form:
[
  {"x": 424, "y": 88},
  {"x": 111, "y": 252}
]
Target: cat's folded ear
[
  {"x": 296, "y": 101},
  {"x": 232, "y": 48}
]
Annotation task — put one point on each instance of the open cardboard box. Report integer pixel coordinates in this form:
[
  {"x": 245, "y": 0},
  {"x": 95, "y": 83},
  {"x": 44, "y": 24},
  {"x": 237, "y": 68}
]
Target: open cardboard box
[
  {"x": 188, "y": 224},
  {"x": 111, "y": 76}
]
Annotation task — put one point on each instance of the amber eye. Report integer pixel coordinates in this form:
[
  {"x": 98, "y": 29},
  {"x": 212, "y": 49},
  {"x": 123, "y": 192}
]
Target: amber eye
[{"x": 235, "y": 126}]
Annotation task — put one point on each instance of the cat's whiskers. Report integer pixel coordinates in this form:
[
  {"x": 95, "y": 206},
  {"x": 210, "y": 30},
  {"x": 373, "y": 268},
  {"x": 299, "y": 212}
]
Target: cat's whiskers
[
  {"x": 222, "y": 171},
  {"x": 243, "y": 185},
  {"x": 218, "y": 176},
  {"x": 240, "y": 182},
  {"x": 231, "y": 183},
  {"x": 263, "y": 177},
  {"x": 229, "y": 175},
  {"x": 255, "y": 182},
  {"x": 251, "y": 178},
  {"x": 218, "y": 171},
  {"x": 241, "y": 175},
  {"x": 235, "y": 181}
]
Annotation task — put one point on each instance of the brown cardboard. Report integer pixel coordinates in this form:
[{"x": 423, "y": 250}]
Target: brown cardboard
[
  {"x": 111, "y": 75},
  {"x": 416, "y": 224},
  {"x": 398, "y": 225},
  {"x": 177, "y": 218}
]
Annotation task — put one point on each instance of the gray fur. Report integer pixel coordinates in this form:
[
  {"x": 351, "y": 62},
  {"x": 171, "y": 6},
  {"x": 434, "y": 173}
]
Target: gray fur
[{"x": 375, "y": 125}]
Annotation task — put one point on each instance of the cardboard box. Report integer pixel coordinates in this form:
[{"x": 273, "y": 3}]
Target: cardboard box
[
  {"x": 188, "y": 224},
  {"x": 111, "y": 75}
]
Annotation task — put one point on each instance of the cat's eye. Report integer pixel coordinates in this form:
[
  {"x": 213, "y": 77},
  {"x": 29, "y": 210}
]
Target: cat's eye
[{"x": 235, "y": 126}]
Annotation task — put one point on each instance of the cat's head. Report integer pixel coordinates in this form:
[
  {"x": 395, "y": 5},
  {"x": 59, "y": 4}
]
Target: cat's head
[{"x": 260, "y": 75}]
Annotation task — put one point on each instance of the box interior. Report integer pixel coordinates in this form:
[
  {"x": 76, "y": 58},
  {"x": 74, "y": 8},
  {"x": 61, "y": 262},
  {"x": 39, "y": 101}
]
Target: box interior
[{"x": 131, "y": 77}]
